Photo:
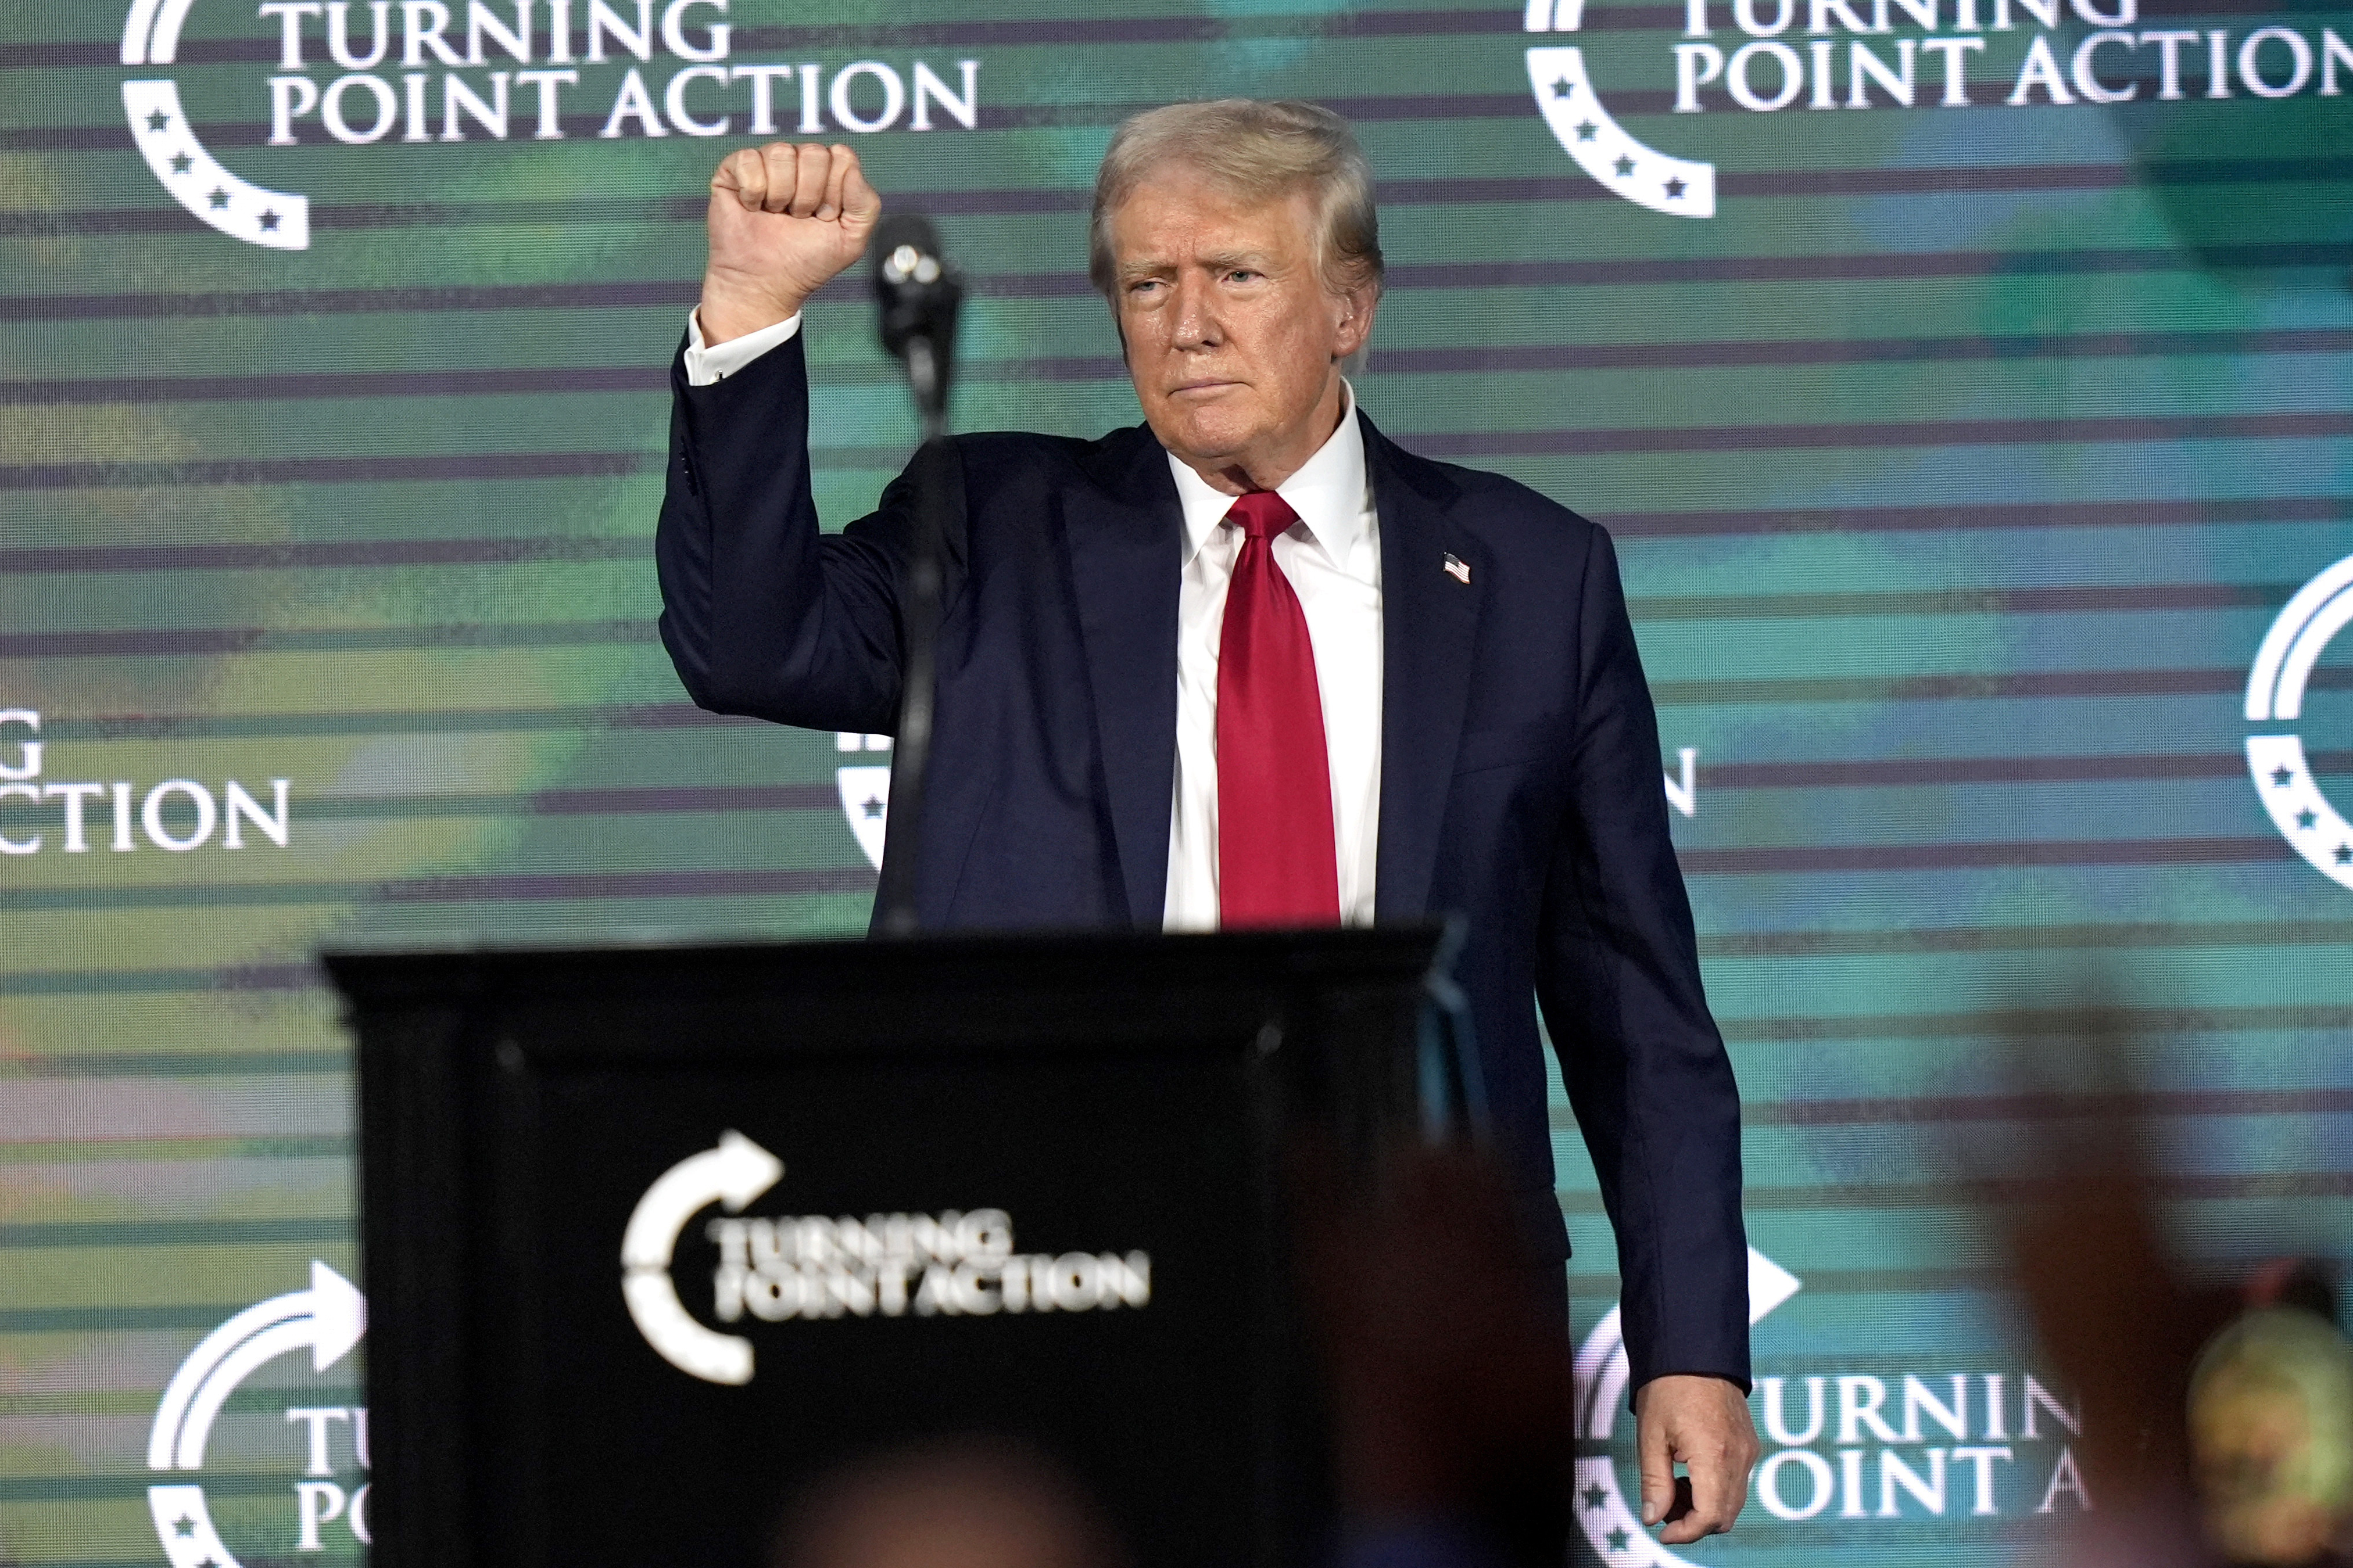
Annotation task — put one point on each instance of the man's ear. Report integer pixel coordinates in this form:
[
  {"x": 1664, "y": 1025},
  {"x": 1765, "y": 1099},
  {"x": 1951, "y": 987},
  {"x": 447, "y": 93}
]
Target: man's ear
[{"x": 1354, "y": 327}]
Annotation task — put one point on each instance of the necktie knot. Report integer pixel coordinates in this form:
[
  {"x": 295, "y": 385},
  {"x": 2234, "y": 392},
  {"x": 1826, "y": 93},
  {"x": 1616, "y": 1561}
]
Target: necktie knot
[{"x": 1261, "y": 514}]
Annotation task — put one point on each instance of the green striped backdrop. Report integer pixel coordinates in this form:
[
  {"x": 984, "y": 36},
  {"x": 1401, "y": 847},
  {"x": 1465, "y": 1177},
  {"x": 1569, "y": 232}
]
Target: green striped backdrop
[{"x": 1958, "y": 465}]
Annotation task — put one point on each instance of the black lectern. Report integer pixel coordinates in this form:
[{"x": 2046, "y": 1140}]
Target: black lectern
[{"x": 653, "y": 1236}]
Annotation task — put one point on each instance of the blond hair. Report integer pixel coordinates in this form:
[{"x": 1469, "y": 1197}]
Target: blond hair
[{"x": 1253, "y": 149}]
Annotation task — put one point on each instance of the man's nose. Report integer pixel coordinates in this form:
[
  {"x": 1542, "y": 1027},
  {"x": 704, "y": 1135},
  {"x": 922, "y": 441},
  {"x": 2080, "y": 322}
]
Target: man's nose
[{"x": 1196, "y": 324}]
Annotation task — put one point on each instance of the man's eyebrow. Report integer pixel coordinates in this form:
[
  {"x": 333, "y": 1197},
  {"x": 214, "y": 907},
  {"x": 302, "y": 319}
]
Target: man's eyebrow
[{"x": 1217, "y": 261}]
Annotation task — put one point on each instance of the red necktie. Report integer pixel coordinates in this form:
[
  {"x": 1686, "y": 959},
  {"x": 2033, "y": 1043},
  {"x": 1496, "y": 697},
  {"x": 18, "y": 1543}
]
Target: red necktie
[{"x": 1276, "y": 862}]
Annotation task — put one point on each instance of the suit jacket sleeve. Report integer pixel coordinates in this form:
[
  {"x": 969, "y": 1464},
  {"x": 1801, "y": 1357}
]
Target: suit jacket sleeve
[
  {"x": 1619, "y": 981},
  {"x": 761, "y": 613}
]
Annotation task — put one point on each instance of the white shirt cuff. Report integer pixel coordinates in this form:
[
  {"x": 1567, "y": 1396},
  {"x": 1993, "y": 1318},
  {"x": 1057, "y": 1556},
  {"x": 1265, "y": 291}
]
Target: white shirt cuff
[{"x": 705, "y": 366}]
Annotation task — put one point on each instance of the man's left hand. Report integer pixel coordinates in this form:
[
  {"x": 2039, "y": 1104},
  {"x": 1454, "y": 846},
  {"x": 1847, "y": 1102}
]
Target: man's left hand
[{"x": 1703, "y": 1421}]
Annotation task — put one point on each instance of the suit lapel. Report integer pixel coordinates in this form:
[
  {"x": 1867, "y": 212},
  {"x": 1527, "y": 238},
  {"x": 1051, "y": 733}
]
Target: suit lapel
[
  {"x": 1430, "y": 627},
  {"x": 1126, "y": 533}
]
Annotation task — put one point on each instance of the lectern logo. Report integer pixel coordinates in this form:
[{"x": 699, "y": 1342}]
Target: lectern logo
[
  {"x": 959, "y": 1263},
  {"x": 327, "y": 1320},
  {"x": 2282, "y": 772},
  {"x": 734, "y": 1174}
]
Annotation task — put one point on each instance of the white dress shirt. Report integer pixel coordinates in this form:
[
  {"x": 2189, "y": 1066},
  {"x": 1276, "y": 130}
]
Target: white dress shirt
[
  {"x": 717, "y": 362},
  {"x": 1332, "y": 556}
]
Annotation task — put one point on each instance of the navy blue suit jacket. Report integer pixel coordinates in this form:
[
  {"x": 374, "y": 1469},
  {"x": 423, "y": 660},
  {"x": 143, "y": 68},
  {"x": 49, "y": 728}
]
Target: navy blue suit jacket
[{"x": 1520, "y": 766}]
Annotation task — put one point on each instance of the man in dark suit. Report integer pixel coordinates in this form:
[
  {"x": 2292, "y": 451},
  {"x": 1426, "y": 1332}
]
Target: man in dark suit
[{"x": 1251, "y": 663}]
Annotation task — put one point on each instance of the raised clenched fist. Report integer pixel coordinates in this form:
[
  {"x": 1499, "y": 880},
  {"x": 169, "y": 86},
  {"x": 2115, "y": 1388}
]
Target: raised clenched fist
[{"x": 784, "y": 219}]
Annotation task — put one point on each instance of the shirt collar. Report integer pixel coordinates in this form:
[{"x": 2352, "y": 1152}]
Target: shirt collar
[{"x": 1327, "y": 492}]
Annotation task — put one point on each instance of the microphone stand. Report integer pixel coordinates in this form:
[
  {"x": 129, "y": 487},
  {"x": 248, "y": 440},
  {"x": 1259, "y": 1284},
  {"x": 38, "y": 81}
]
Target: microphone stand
[{"x": 919, "y": 294}]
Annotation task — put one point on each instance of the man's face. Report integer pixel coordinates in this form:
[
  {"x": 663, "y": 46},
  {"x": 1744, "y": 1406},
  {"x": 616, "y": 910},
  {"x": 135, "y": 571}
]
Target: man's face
[{"x": 1233, "y": 340}]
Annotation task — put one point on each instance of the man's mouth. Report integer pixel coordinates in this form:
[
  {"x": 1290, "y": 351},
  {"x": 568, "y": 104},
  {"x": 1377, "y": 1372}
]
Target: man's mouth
[{"x": 1205, "y": 384}]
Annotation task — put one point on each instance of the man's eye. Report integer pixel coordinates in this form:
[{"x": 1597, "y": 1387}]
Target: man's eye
[{"x": 1241, "y": 275}]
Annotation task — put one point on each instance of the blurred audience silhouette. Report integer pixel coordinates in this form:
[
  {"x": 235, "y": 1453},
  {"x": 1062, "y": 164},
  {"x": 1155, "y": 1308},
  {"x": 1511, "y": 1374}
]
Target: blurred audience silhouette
[
  {"x": 975, "y": 1502},
  {"x": 2217, "y": 1425}
]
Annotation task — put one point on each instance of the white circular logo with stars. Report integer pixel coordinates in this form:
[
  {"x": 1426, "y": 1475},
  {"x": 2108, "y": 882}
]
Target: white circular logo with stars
[
  {"x": 277, "y": 219},
  {"x": 2282, "y": 775},
  {"x": 325, "y": 1322},
  {"x": 1603, "y": 148},
  {"x": 1611, "y": 1525}
]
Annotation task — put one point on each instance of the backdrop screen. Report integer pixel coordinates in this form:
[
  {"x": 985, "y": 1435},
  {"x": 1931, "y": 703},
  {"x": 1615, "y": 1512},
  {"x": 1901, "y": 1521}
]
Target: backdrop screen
[{"x": 1967, "y": 383}]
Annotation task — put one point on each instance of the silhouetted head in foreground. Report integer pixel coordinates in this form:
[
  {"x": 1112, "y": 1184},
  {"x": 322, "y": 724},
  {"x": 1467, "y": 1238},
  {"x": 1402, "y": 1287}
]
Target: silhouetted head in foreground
[
  {"x": 965, "y": 1504},
  {"x": 2271, "y": 1424}
]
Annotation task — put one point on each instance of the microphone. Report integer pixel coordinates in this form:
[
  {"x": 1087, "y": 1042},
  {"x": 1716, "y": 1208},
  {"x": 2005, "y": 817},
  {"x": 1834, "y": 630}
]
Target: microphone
[{"x": 918, "y": 290}]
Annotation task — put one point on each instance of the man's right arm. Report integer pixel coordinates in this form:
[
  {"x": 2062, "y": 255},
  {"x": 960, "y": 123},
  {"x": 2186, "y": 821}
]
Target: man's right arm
[{"x": 761, "y": 613}]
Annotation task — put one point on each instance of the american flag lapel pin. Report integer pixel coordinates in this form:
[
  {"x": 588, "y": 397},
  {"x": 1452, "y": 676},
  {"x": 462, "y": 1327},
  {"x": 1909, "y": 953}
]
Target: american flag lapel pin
[{"x": 1457, "y": 569}]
